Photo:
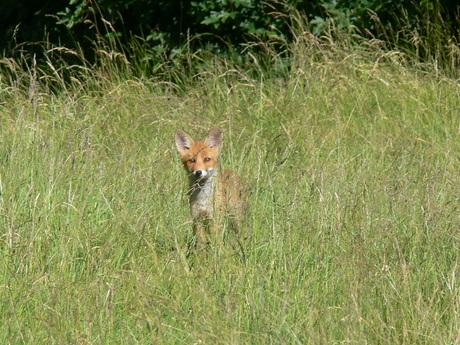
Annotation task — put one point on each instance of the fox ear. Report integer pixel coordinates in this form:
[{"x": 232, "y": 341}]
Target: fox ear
[
  {"x": 183, "y": 140},
  {"x": 214, "y": 138}
]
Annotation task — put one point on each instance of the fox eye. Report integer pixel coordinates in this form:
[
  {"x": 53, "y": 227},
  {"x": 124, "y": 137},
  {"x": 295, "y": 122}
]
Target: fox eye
[
  {"x": 192, "y": 160},
  {"x": 207, "y": 159}
]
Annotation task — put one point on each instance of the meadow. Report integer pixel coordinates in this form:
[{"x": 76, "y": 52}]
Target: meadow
[{"x": 350, "y": 156}]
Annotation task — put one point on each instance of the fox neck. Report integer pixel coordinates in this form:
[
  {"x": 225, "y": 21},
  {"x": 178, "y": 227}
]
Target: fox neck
[{"x": 202, "y": 193}]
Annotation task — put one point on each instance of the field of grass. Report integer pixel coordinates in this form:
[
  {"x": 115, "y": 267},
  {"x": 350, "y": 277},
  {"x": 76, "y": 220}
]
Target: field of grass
[{"x": 351, "y": 161}]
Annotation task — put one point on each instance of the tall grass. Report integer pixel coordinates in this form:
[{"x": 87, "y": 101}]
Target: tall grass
[{"x": 350, "y": 158}]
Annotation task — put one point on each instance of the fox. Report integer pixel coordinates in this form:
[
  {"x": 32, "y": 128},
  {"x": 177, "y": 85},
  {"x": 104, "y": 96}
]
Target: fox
[{"x": 213, "y": 195}]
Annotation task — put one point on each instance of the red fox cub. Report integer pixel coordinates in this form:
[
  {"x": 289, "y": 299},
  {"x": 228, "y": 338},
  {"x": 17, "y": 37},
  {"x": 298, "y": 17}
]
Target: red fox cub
[{"x": 213, "y": 195}]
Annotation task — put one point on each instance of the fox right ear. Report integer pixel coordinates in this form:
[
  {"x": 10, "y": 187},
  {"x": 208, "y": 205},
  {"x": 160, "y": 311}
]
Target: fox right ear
[
  {"x": 214, "y": 138},
  {"x": 183, "y": 140}
]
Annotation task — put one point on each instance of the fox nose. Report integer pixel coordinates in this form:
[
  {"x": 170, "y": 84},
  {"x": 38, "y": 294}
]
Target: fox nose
[{"x": 198, "y": 173}]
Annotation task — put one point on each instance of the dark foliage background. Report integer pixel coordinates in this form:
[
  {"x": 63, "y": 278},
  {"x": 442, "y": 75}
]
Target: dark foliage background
[{"x": 165, "y": 24}]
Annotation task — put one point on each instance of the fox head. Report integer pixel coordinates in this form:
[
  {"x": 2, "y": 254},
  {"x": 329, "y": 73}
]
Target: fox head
[{"x": 199, "y": 157}]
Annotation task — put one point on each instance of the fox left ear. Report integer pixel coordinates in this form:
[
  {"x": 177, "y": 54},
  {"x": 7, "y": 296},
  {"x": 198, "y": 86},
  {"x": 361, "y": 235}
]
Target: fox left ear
[
  {"x": 183, "y": 140},
  {"x": 214, "y": 138}
]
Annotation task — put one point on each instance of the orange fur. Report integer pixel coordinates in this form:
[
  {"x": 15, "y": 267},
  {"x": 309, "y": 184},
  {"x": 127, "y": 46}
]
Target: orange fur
[{"x": 213, "y": 195}]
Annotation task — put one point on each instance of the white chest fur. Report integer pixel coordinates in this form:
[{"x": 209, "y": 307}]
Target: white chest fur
[{"x": 202, "y": 194}]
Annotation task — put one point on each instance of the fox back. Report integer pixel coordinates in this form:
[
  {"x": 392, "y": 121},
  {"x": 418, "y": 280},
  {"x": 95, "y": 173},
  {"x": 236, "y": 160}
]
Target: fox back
[{"x": 213, "y": 195}]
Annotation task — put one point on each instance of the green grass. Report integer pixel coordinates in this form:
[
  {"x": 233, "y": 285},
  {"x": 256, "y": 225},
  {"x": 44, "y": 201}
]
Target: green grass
[{"x": 351, "y": 161}]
